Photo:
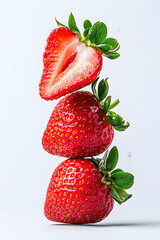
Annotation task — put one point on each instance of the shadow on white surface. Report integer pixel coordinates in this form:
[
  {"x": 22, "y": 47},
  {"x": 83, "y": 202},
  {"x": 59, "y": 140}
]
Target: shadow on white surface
[{"x": 128, "y": 224}]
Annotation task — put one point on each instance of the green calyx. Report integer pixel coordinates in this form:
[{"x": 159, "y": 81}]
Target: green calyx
[
  {"x": 116, "y": 179},
  {"x": 101, "y": 93},
  {"x": 94, "y": 36}
]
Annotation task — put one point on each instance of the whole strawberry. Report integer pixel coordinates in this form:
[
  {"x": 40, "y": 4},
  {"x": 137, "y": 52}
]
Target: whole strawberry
[
  {"x": 81, "y": 193},
  {"x": 72, "y": 62},
  {"x": 82, "y": 125}
]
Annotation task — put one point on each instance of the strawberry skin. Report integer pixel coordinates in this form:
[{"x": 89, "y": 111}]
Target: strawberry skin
[
  {"x": 78, "y": 127},
  {"x": 76, "y": 194},
  {"x": 68, "y": 64}
]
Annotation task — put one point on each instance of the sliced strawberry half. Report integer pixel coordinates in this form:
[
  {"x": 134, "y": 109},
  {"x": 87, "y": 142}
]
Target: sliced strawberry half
[
  {"x": 68, "y": 64},
  {"x": 72, "y": 62}
]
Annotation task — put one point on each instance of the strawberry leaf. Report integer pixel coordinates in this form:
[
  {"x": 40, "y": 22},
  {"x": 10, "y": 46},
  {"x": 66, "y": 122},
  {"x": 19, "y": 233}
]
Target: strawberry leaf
[
  {"x": 102, "y": 165},
  {"x": 103, "y": 88},
  {"x": 105, "y": 157},
  {"x": 112, "y": 42},
  {"x": 114, "y": 104},
  {"x": 111, "y": 55},
  {"x": 115, "y": 50},
  {"x": 117, "y": 180},
  {"x": 119, "y": 195},
  {"x": 116, "y": 170},
  {"x": 85, "y": 33},
  {"x": 104, "y": 47},
  {"x": 96, "y": 160},
  {"x": 123, "y": 180},
  {"x": 87, "y": 24},
  {"x": 72, "y": 25},
  {"x": 115, "y": 120},
  {"x": 97, "y": 33},
  {"x": 60, "y": 24},
  {"x": 112, "y": 159},
  {"x": 107, "y": 104},
  {"x": 93, "y": 87},
  {"x": 122, "y": 127}
]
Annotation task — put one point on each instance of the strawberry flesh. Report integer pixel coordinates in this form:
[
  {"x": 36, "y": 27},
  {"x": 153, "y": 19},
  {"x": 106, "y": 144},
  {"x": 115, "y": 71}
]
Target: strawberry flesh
[{"x": 69, "y": 61}]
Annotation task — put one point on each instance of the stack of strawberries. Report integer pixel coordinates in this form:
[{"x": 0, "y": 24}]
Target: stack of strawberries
[{"x": 82, "y": 188}]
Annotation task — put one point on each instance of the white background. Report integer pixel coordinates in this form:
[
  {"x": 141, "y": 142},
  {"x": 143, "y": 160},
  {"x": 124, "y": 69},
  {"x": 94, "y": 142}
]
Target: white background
[{"x": 26, "y": 168}]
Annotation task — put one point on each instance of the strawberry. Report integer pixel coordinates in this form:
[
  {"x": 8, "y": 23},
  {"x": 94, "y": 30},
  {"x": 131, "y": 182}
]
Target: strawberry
[
  {"x": 68, "y": 64},
  {"x": 83, "y": 191},
  {"x": 79, "y": 126},
  {"x": 72, "y": 62}
]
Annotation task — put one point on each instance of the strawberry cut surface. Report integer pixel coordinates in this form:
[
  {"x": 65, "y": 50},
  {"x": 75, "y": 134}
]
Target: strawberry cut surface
[
  {"x": 76, "y": 194},
  {"x": 68, "y": 64}
]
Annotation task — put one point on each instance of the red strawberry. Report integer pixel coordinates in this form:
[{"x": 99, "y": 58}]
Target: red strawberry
[
  {"x": 71, "y": 62},
  {"x": 82, "y": 124},
  {"x": 78, "y": 127},
  {"x": 77, "y": 193}
]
